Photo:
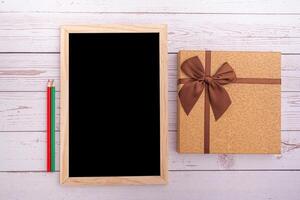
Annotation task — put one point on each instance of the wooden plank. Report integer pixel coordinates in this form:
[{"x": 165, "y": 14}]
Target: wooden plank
[
  {"x": 176, "y": 6},
  {"x": 290, "y": 73},
  {"x": 30, "y": 72},
  {"x": 38, "y": 32},
  {"x": 290, "y": 111},
  {"x": 192, "y": 185},
  {"x": 287, "y": 160},
  {"x": 26, "y": 151},
  {"x": 26, "y": 111}
]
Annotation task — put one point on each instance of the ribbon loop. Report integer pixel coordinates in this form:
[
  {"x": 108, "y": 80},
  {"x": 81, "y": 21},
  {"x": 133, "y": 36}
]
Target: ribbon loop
[{"x": 194, "y": 85}]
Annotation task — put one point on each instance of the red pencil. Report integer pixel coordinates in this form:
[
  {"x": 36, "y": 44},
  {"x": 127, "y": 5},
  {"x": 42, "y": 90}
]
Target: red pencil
[{"x": 49, "y": 126}]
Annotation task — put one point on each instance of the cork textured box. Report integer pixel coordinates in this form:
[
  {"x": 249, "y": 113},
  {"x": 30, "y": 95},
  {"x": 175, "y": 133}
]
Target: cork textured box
[{"x": 251, "y": 124}]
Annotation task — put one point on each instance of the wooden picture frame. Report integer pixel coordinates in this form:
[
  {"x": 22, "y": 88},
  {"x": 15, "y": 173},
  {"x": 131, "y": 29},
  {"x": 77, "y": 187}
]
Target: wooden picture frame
[{"x": 64, "y": 104}]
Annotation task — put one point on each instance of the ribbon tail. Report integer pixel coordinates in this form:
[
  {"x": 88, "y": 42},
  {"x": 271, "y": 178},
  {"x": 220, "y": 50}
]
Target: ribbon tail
[
  {"x": 219, "y": 99},
  {"x": 189, "y": 95}
]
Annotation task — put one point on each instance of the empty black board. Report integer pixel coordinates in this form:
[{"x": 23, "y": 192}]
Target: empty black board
[{"x": 114, "y": 118}]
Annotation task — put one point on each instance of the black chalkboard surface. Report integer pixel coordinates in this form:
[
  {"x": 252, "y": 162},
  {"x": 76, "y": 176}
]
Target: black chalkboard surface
[{"x": 114, "y": 117}]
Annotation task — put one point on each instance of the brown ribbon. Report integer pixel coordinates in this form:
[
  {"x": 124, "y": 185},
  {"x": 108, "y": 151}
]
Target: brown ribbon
[{"x": 215, "y": 94}]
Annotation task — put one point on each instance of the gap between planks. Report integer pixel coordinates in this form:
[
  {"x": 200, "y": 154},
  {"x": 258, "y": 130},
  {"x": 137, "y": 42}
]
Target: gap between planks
[
  {"x": 183, "y": 170},
  {"x": 136, "y": 6},
  {"x": 169, "y": 53},
  {"x": 145, "y": 12}
]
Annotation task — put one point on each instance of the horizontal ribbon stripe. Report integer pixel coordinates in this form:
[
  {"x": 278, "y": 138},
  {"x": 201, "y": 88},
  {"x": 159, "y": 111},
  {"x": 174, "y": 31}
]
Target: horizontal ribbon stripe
[{"x": 258, "y": 81}]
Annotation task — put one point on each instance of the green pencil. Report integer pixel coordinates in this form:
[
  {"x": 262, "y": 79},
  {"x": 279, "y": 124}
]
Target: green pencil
[{"x": 52, "y": 128}]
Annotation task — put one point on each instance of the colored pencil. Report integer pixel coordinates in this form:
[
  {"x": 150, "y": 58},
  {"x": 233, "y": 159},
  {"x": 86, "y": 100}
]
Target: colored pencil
[
  {"x": 48, "y": 126},
  {"x": 52, "y": 128}
]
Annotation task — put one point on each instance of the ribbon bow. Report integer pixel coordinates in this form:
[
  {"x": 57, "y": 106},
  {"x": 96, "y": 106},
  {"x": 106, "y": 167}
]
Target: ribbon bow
[{"x": 197, "y": 80}]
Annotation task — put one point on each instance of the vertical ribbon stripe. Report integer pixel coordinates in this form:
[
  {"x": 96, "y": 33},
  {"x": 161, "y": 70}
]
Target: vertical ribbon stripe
[{"x": 206, "y": 104}]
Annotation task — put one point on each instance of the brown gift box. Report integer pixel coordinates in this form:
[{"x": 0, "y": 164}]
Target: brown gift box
[{"x": 251, "y": 124}]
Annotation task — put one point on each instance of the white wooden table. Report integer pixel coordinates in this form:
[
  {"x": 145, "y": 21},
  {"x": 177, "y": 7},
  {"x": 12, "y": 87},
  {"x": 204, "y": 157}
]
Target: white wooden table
[{"x": 29, "y": 55}]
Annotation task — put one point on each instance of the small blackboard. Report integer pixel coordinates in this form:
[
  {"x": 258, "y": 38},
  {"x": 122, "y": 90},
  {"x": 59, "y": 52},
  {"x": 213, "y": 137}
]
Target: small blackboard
[{"x": 114, "y": 104}]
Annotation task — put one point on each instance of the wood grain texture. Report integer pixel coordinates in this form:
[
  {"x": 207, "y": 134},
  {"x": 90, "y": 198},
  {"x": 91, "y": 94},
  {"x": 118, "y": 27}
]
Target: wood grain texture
[
  {"x": 25, "y": 151},
  {"x": 29, "y": 72},
  {"x": 164, "y": 109},
  {"x": 25, "y": 115},
  {"x": 64, "y": 108},
  {"x": 33, "y": 26},
  {"x": 192, "y": 185},
  {"x": 25, "y": 111},
  {"x": 39, "y": 32},
  {"x": 155, "y": 6}
]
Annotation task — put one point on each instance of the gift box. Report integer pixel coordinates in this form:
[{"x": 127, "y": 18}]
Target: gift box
[{"x": 229, "y": 102}]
